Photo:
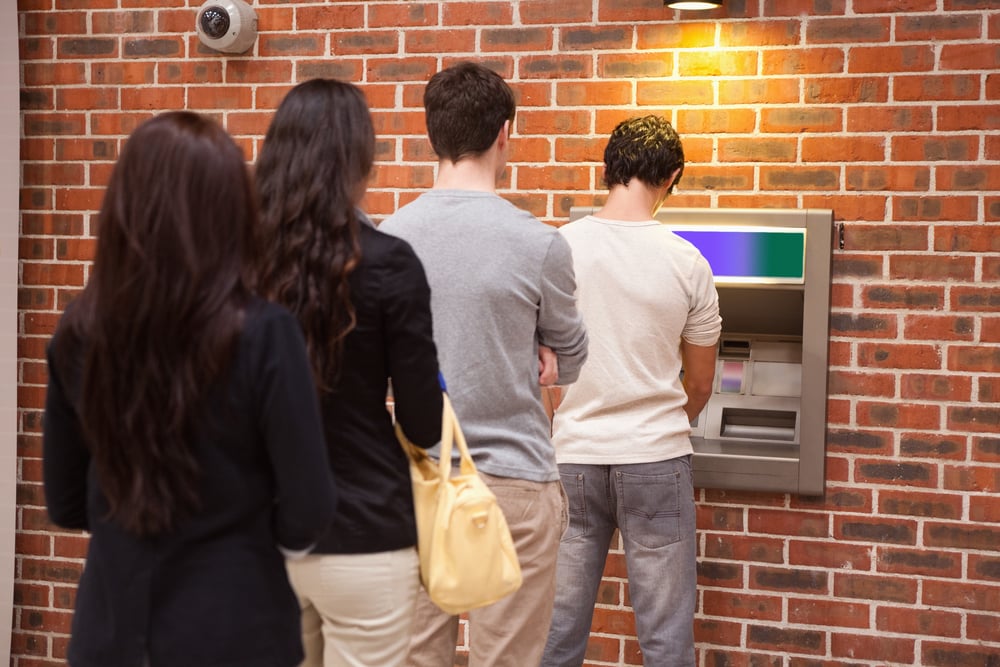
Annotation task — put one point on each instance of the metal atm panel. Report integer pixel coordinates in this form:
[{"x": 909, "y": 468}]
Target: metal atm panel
[{"x": 765, "y": 426}]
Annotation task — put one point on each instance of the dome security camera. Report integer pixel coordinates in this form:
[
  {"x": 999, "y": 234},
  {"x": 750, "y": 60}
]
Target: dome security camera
[{"x": 229, "y": 26}]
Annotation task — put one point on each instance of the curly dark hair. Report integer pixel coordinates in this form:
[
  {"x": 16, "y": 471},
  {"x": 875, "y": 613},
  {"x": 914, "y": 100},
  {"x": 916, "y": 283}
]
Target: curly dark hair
[
  {"x": 313, "y": 166},
  {"x": 647, "y": 148},
  {"x": 159, "y": 318}
]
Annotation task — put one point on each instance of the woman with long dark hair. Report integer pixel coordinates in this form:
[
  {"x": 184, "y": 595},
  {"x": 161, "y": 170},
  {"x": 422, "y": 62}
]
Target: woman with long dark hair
[
  {"x": 364, "y": 305},
  {"x": 181, "y": 423}
]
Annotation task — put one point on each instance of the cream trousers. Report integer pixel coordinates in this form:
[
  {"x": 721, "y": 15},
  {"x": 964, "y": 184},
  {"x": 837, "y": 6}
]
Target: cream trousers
[{"x": 357, "y": 609}]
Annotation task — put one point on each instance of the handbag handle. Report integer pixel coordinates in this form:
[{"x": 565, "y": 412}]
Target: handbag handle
[{"x": 451, "y": 430}]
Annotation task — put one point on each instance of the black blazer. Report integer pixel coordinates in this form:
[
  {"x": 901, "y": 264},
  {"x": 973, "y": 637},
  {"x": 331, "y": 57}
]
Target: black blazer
[
  {"x": 214, "y": 593},
  {"x": 393, "y": 339}
]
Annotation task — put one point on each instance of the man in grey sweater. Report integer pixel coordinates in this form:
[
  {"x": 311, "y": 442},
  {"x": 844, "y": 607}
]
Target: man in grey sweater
[{"x": 505, "y": 322}]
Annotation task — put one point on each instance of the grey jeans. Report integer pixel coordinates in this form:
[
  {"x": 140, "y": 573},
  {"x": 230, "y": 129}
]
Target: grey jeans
[{"x": 652, "y": 504}]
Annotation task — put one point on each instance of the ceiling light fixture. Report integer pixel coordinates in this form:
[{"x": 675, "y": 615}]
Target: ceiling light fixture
[{"x": 693, "y": 4}]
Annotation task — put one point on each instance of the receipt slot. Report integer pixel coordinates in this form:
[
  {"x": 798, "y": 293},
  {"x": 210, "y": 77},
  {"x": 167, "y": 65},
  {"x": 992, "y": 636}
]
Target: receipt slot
[{"x": 764, "y": 428}]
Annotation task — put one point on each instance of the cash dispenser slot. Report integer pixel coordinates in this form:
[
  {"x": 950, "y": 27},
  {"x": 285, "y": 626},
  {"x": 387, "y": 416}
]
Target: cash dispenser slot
[
  {"x": 753, "y": 424},
  {"x": 730, "y": 348}
]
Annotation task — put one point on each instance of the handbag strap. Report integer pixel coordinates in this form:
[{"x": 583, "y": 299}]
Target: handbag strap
[{"x": 451, "y": 431}]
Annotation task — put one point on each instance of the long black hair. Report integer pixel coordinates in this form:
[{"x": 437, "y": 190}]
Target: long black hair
[
  {"x": 312, "y": 171},
  {"x": 158, "y": 319}
]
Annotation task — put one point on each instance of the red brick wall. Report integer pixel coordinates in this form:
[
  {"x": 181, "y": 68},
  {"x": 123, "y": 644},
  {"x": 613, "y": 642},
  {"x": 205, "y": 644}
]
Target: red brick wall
[{"x": 886, "y": 111}]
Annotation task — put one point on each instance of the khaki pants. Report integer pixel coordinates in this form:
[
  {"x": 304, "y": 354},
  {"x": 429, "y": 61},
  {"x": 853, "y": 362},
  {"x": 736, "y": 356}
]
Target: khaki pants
[
  {"x": 511, "y": 632},
  {"x": 357, "y": 609}
]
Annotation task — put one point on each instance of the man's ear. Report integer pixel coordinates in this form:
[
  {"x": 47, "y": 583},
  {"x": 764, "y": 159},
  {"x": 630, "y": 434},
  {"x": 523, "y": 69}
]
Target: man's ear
[
  {"x": 503, "y": 136},
  {"x": 673, "y": 177}
]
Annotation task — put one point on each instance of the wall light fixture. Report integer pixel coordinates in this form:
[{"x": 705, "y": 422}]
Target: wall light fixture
[{"x": 693, "y": 4}]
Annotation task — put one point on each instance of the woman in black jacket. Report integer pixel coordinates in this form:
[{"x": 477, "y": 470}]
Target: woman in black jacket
[
  {"x": 364, "y": 305},
  {"x": 181, "y": 425}
]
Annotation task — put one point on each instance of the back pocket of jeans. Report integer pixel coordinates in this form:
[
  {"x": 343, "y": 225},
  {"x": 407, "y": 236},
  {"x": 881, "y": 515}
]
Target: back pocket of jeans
[{"x": 650, "y": 508}]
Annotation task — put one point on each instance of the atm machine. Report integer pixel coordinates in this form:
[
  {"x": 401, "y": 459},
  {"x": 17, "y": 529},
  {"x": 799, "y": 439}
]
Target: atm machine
[{"x": 764, "y": 428}]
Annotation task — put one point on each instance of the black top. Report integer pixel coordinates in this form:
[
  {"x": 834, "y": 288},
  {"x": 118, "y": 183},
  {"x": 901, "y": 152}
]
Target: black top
[
  {"x": 393, "y": 339},
  {"x": 213, "y": 593}
]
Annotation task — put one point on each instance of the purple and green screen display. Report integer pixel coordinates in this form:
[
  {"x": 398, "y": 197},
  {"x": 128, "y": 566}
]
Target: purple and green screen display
[{"x": 751, "y": 254}]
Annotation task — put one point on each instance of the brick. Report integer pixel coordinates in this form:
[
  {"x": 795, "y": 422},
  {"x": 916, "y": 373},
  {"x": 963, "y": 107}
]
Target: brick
[
  {"x": 784, "y": 639},
  {"x": 716, "y": 63},
  {"x": 554, "y": 14},
  {"x": 848, "y": 30},
  {"x": 552, "y": 122},
  {"x": 897, "y": 474},
  {"x": 856, "y": 266},
  {"x": 861, "y": 384},
  {"x": 938, "y": 28},
  {"x": 859, "y": 441},
  {"x": 399, "y": 15},
  {"x": 873, "y": 530},
  {"x": 744, "y": 548},
  {"x": 957, "y": 655},
  {"x": 882, "y": 648},
  {"x": 976, "y": 56},
  {"x": 554, "y": 178},
  {"x": 817, "y": 553},
  {"x": 828, "y": 613},
  {"x": 932, "y": 446},
  {"x": 927, "y": 208},
  {"x": 571, "y": 93},
  {"x": 515, "y": 39},
  {"x": 974, "y": 358},
  {"x": 549, "y": 67},
  {"x": 651, "y": 37},
  {"x": 920, "y": 562},
  {"x": 729, "y": 604},
  {"x": 986, "y": 449},
  {"x": 840, "y": 149},
  {"x": 892, "y": 355},
  {"x": 968, "y": 117},
  {"x": 777, "y": 90},
  {"x": 974, "y": 299},
  {"x": 48, "y": 74},
  {"x": 895, "y": 59},
  {"x": 589, "y": 38},
  {"x": 288, "y": 45},
  {"x": 870, "y": 587},
  {"x": 675, "y": 93},
  {"x": 956, "y": 595},
  {"x": 791, "y": 580},
  {"x": 714, "y": 121},
  {"x": 802, "y": 61},
  {"x": 341, "y": 16},
  {"x": 922, "y": 622},
  {"x": 981, "y": 627},
  {"x": 412, "y": 68},
  {"x": 890, "y": 119},
  {"x": 477, "y": 13},
  {"x": 936, "y": 87},
  {"x": 924, "y": 148},
  {"x": 775, "y": 149},
  {"x": 799, "y": 120},
  {"x": 626, "y": 66},
  {"x": 971, "y": 479},
  {"x": 938, "y": 327},
  {"x": 720, "y": 575}
]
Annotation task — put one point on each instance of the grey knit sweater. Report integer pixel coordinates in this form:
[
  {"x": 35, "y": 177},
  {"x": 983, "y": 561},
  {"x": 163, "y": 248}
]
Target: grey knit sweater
[{"x": 501, "y": 283}]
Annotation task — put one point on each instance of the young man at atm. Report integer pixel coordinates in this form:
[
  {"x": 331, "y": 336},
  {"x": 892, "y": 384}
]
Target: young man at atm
[{"x": 622, "y": 430}]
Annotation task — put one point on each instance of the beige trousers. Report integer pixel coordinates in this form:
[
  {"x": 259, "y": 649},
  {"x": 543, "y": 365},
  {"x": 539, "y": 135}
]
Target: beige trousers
[
  {"x": 511, "y": 632},
  {"x": 357, "y": 609}
]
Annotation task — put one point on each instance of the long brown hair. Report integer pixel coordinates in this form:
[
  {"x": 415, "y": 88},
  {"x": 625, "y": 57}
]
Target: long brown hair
[
  {"x": 158, "y": 319},
  {"x": 314, "y": 163}
]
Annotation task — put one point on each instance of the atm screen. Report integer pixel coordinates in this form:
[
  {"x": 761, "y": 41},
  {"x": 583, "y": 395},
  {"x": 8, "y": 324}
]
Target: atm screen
[{"x": 741, "y": 254}]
